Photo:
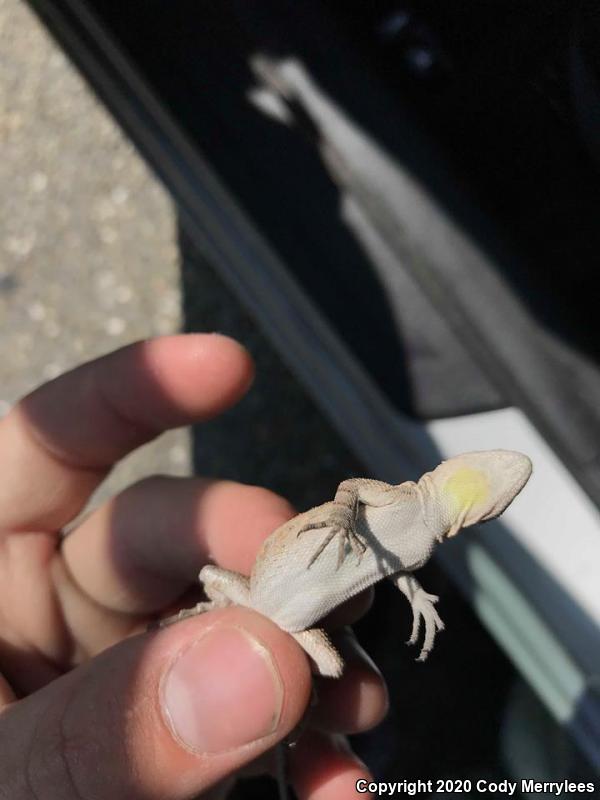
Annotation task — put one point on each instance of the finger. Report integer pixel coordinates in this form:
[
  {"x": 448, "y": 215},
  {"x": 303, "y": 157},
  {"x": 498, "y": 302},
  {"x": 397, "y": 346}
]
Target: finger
[
  {"x": 168, "y": 714},
  {"x": 140, "y": 550},
  {"x": 323, "y": 767},
  {"x": 358, "y": 700},
  {"x": 6, "y": 693},
  {"x": 134, "y": 555},
  {"x": 58, "y": 443}
]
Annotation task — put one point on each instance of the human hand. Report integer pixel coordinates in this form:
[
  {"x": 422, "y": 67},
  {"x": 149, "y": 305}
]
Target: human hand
[{"x": 92, "y": 704}]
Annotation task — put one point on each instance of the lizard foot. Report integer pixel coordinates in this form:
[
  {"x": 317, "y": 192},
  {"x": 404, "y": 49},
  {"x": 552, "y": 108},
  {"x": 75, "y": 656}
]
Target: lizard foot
[
  {"x": 423, "y": 607},
  {"x": 341, "y": 524}
]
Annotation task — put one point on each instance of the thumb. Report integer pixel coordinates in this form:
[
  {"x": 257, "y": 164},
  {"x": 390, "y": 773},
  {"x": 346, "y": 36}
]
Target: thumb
[{"x": 166, "y": 714}]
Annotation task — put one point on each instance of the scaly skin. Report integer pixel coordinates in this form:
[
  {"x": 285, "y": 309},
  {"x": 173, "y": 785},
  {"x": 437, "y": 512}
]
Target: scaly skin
[{"x": 370, "y": 531}]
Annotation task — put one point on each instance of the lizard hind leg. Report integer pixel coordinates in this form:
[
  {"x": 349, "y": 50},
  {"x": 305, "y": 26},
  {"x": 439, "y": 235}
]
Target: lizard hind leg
[
  {"x": 222, "y": 587},
  {"x": 325, "y": 658}
]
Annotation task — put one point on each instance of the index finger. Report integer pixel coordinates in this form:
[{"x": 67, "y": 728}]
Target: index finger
[{"x": 59, "y": 442}]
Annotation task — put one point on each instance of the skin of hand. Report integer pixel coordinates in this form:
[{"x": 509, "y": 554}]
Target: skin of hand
[{"x": 92, "y": 704}]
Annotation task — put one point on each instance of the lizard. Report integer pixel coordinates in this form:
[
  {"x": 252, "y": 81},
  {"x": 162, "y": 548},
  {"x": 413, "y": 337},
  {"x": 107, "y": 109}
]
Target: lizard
[{"x": 370, "y": 531}]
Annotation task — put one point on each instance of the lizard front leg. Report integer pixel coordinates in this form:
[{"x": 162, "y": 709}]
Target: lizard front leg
[
  {"x": 423, "y": 608},
  {"x": 341, "y": 515}
]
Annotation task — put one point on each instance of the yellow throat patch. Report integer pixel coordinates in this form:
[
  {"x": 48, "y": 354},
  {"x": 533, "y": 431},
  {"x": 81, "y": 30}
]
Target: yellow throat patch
[{"x": 466, "y": 487}]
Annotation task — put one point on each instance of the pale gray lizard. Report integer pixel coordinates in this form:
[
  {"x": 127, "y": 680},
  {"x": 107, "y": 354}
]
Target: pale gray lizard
[{"x": 370, "y": 531}]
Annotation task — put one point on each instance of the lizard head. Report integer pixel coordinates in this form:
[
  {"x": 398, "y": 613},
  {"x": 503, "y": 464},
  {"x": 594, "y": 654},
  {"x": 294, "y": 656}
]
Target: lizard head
[{"x": 475, "y": 487}]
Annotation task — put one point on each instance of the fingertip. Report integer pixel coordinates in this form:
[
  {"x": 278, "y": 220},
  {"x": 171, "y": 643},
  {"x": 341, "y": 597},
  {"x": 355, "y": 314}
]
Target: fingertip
[
  {"x": 241, "y": 518},
  {"x": 199, "y": 374},
  {"x": 223, "y": 359},
  {"x": 359, "y": 700},
  {"x": 325, "y": 768},
  {"x": 7, "y": 695}
]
